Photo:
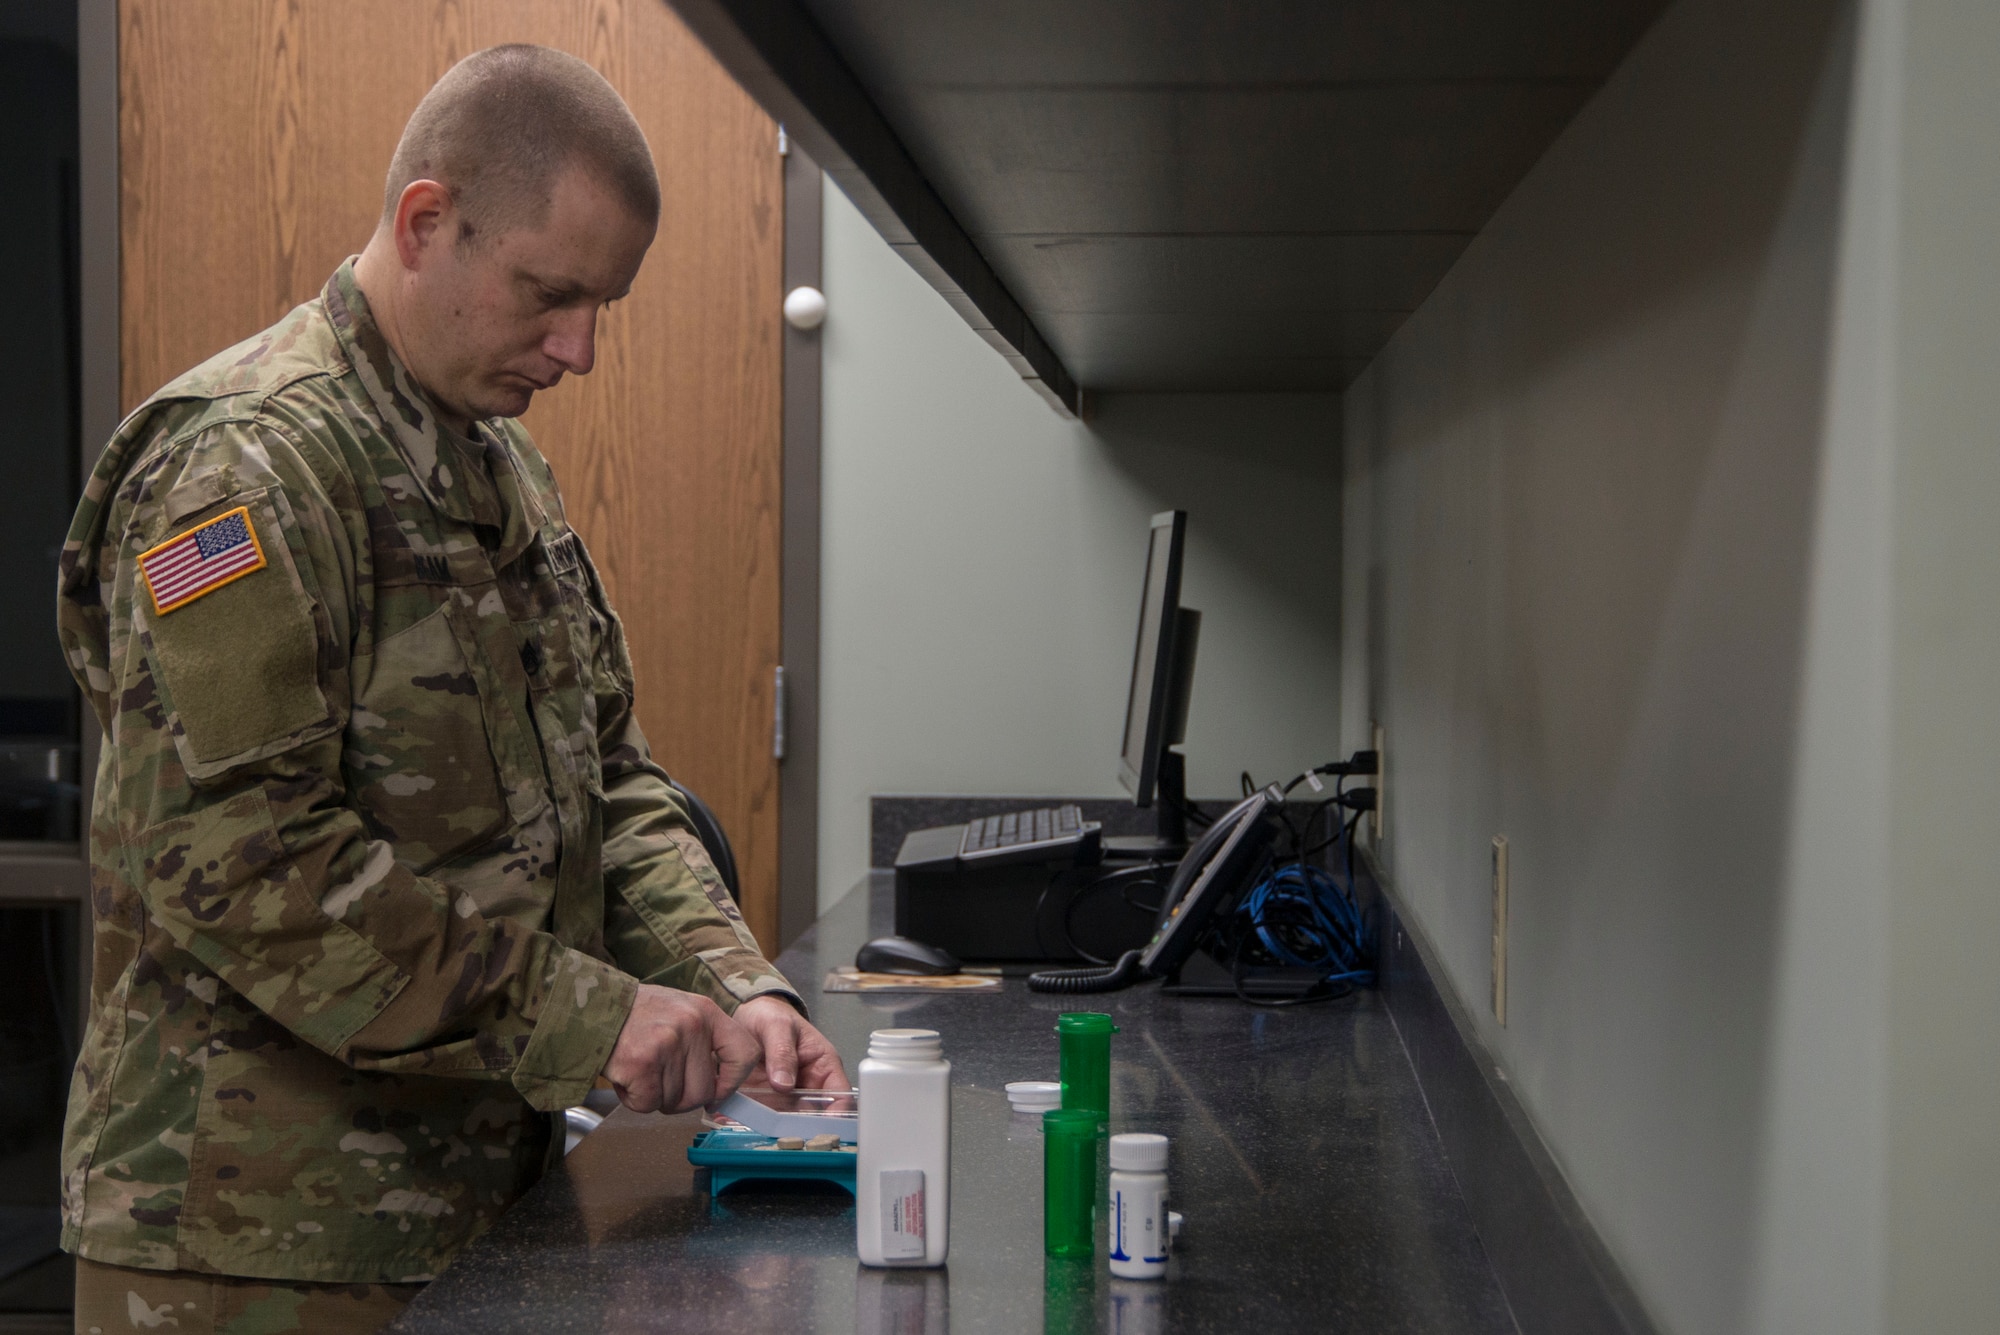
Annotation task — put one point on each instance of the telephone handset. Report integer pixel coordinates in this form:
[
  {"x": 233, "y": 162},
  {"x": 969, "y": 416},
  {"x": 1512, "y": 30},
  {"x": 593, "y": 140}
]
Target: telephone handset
[{"x": 1223, "y": 863}]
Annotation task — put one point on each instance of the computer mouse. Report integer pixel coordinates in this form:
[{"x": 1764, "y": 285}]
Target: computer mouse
[{"x": 899, "y": 954}]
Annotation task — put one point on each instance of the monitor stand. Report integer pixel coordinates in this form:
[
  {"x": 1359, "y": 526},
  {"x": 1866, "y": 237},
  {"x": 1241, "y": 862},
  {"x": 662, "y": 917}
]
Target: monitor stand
[{"x": 1169, "y": 841}]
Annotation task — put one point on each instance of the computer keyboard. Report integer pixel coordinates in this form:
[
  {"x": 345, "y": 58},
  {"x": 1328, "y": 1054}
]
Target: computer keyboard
[{"x": 1023, "y": 836}]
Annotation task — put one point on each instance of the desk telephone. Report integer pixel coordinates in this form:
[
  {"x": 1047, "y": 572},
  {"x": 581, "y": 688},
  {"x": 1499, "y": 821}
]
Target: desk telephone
[{"x": 1052, "y": 898}]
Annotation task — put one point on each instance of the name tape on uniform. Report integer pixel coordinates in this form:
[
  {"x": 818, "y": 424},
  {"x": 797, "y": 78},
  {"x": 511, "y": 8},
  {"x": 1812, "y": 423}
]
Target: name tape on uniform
[
  {"x": 202, "y": 560},
  {"x": 566, "y": 553}
]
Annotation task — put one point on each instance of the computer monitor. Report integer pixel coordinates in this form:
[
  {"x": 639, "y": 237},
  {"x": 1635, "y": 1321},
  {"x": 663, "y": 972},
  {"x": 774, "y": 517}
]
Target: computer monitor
[{"x": 1156, "y": 701}]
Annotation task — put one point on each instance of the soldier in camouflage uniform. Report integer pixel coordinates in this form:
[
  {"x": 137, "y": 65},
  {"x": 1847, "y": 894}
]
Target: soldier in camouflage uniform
[{"x": 383, "y": 872}]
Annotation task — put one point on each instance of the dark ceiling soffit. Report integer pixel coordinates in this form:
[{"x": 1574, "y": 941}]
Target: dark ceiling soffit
[{"x": 776, "y": 51}]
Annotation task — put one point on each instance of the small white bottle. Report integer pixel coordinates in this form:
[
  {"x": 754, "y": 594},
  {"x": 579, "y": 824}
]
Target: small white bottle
[
  {"x": 1138, "y": 1214},
  {"x": 902, "y": 1169}
]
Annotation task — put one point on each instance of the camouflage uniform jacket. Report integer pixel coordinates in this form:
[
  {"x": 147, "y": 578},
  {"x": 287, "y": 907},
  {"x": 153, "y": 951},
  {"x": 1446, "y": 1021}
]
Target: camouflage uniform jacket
[{"x": 379, "y": 854}]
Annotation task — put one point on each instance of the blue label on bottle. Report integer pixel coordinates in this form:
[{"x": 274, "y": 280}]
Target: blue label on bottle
[
  {"x": 1138, "y": 1227},
  {"x": 1118, "y": 1252}
]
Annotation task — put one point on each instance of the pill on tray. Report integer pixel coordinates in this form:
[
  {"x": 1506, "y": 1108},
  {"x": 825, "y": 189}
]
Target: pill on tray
[
  {"x": 824, "y": 1141},
  {"x": 790, "y": 1143}
]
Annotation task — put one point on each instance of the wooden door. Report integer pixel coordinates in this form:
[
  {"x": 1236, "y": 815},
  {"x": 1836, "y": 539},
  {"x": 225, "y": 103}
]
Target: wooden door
[{"x": 254, "y": 138}]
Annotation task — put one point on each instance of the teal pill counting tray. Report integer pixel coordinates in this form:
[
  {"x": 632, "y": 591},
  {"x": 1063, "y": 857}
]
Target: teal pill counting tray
[{"x": 743, "y": 1156}]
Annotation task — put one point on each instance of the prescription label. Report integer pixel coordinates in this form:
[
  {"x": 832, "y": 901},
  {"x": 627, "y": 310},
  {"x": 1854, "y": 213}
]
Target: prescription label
[{"x": 903, "y": 1214}]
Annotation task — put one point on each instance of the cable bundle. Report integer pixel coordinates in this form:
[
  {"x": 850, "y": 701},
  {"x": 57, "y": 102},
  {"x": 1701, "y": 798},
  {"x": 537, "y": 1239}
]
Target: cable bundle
[{"x": 1303, "y": 917}]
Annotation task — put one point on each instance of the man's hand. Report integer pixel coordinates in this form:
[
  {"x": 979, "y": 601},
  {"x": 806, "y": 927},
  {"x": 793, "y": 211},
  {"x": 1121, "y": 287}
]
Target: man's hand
[
  {"x": 796, "y": 1055},
  {"x": 679, "y": 1051}
]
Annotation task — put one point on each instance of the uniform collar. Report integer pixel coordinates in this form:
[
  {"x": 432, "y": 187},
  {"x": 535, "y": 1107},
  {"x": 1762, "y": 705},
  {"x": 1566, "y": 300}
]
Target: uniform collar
[
  {"x": 445, "y": 466},
  {"x": 522, "y": 514}
]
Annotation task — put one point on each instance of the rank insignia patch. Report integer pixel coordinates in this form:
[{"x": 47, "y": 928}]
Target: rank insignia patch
[{"x": 202, "y": 560}]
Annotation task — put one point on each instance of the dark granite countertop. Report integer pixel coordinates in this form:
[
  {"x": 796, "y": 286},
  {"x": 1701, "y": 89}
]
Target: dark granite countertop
[{"x": 1316, "y": 1194}]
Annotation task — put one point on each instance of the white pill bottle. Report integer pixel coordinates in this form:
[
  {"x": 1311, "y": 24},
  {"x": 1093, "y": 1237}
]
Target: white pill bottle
[
  {"x": 1138, "y": 1213},
  {"x": 902, "y": 1169}
]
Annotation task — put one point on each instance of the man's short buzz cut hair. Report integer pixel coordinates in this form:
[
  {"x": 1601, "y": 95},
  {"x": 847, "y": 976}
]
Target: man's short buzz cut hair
[{"x": 504, "y": 123}]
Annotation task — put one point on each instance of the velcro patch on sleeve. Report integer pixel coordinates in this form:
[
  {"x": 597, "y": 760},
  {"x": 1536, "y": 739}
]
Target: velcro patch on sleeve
[
  {"x": 202, "y": 560},
  {"x": 239, "y": 672}
]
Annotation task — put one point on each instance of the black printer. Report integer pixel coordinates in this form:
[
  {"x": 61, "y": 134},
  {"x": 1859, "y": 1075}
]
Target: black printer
[{"x": 1022, "y": 887}]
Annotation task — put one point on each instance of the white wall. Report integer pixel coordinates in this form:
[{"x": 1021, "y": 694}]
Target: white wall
[
  {"x": 1940, "y": 397},
  {"x": 1671, "y": 554},
  {"x": 982, "y": 557}
]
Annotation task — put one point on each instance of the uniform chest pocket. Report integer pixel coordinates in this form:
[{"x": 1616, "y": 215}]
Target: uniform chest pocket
[
  {"x": 596, "y": 635},
  {"x": 419, "y": 759},
  {"x": 573, "y": 632}
]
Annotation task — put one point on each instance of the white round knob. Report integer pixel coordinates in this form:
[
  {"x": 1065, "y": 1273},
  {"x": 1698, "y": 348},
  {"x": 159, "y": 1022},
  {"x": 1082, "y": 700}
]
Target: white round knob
[{"x": 805, "y": 308}]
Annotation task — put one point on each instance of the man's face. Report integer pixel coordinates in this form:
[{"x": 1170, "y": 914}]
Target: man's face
[{"x": 487, "y": 324}]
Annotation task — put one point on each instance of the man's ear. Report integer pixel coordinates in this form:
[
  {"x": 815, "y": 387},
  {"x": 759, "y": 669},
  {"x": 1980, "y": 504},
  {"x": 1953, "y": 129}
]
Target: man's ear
[{"x": 424, "y": 213}]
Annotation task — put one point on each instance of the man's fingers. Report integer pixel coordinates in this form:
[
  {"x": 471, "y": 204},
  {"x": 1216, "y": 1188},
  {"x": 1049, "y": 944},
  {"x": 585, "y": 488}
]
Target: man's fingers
[
  {"x": 822, "y": 1070},
  {"x": 673, "y": 1077},
  {"x": 781, "y": 1056},
  {"x": 818, "y": 1063},
  {"x": 642, "y": 1094},
  {"x": 697, "y": 1079},
  {"x": 679, "y": 1051},
  {"x": 736, "y": 1054}
]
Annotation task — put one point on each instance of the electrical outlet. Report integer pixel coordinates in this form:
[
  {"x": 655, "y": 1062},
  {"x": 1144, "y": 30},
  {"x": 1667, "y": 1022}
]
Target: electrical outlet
[
  {"x": 1375, "y": 823},
  {"x": 1500, "y": 928}
]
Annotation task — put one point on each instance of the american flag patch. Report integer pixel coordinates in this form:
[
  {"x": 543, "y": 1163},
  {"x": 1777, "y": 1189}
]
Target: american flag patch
[{"x": 202, "y": 560}]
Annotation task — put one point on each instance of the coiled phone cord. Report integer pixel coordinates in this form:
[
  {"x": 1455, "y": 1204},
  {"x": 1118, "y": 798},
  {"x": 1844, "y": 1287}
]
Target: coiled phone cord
[{"x": 1074, "y": 982}]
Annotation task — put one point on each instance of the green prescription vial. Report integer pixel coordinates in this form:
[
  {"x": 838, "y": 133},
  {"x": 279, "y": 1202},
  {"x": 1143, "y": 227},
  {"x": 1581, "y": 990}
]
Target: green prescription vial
[
  {"x": 1069, "y": 1182},
  {"x": 1084, "y": 1039}
]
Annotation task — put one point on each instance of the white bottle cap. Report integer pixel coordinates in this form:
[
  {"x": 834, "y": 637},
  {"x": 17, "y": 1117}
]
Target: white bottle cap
[
  {"x": 1139, "y": 1152},
  {"x": 906, "y": 1045},
  {"x": 1034, "y": 1095}
]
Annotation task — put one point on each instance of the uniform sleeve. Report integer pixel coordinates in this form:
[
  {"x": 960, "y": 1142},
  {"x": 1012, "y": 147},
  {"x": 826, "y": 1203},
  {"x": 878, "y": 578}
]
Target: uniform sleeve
[
  {"x": 668, "y": 917},
  {"x": 227, "y": 723}
]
